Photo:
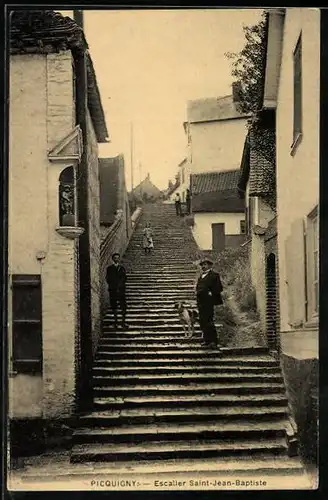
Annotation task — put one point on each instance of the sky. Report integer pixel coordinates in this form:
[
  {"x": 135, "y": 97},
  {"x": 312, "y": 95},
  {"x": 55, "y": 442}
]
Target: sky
[{"x": 148, "y": 64}]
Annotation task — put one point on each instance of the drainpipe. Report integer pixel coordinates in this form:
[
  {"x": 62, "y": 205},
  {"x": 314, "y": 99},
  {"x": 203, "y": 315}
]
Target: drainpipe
[{"x": 84, "y": 387}]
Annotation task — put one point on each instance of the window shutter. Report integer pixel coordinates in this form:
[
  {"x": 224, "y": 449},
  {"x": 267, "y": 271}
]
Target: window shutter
[{"x": 295, "y": 267}]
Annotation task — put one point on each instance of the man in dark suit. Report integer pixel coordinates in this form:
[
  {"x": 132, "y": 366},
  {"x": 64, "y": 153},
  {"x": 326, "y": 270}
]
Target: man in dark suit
[
  {"x": 208, "y": 291},
  {"x": 116, "y": 281}
]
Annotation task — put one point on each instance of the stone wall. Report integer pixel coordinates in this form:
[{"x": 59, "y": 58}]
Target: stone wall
[
  {"x": 41, "y": 88},
  {"x": 301, "y": 379},
  {"x": 94, "y": 228}
]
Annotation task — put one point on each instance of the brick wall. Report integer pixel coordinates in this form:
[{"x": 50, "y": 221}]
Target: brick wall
[{"x": 94, "y": 229}]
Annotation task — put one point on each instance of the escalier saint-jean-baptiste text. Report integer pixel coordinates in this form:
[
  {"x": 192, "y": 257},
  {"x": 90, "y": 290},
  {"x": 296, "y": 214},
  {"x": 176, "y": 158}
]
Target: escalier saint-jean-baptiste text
[{"x": 180, "y": 484}]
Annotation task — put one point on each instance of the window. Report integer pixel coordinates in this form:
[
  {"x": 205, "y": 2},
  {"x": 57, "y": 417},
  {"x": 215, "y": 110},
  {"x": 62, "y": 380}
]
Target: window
[
  {"x": 242, "y": 227},
  {"x": 297, "y": 122},
  {"x": 312, "y": 244},
  {"x": 27, "y": 323}
]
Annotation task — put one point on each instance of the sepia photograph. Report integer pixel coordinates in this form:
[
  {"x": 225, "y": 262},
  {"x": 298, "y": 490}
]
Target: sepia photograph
[{"x": 163, "y": 249}]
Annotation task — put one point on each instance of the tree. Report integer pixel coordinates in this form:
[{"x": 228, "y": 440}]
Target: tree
[{"x": 248, "y": 66}]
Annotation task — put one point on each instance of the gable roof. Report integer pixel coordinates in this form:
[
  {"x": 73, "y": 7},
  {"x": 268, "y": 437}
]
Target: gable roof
[
  {"x": 47, "y": 31},
  {"x": 216, "y": 192},
  {"x": 147, "y": 187},
  {"x": 213, "y": 109}
]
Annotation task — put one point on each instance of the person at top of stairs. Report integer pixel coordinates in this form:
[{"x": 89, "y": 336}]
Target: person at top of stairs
[
  {"x": 208, "y": 291},
  {"x": 177, "y": 202},
  {"x": 116, "y": 281},
  {"x": 147, "y": 240}
]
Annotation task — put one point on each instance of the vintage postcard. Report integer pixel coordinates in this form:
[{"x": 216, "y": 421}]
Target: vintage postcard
[{"x": 163, "y": 249}]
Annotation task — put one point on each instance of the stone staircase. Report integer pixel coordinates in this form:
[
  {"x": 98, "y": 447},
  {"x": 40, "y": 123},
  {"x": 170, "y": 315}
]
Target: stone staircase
[{"x": 164, "y": 403}]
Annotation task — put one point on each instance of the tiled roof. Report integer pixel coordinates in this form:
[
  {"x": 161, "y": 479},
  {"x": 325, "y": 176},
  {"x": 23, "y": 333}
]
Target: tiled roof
[
  {"x": 262, "y": 165},
  {"x": 214, "y": 181},
  {"x": 258, "y": 163},
  {"x": 226, "y": 201},
  {"x": 109, "y": 175},
  {"x": 46, "y": 31},
  {"x": 216, "y": 192},
  {"x": 212, "y": 109}
]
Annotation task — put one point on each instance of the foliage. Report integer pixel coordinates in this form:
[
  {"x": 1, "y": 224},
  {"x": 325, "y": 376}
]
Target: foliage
[
  {"x": 247, "y": 67},
  {"x": 238, "y": 314}
]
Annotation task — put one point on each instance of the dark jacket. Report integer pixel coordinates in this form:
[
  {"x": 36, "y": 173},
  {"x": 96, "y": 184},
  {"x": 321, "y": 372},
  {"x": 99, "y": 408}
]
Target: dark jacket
[
  {"x": 116, "y": 278},
  {"x": 210, "y": 283}
]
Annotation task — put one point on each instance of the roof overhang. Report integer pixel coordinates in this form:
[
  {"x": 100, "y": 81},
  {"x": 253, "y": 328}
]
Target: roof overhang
[{"x": 275, "y": 29}]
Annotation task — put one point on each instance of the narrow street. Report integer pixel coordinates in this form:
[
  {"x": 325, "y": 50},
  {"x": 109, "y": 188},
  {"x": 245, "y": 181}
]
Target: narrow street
[{"x": 163, "y": 405}]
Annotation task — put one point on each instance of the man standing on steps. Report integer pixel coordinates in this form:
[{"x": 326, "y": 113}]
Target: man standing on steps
[
  {"x": 208, "y": 291},
  {"x": 177, "y": 203},
  {"x": 116, "y": 281}
]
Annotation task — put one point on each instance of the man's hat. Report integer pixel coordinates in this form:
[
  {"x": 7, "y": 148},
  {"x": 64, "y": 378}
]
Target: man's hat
[{"x": 207, "y": 260}]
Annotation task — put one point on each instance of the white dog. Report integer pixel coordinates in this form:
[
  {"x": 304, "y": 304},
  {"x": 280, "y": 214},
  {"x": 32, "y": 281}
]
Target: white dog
[{"x": 188, "y": 316}]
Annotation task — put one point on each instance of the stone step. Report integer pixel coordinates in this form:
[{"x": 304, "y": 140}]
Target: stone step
[
  {"x": 139, "y": 328},
  {"x": 109, "y": 341},
  {"x": 190, "y": 400},
  {"x": 145, "y": 312},
  {"x": 175, "y": 346},
  {"x": 181, "y": 369},
  {"x": 142, "y": 451},
  {"x": 171, "y": 320},
  {"x": 262, "y": 465},
  {"x": 198, "y": 415},
  {"x": 174, "y": 274},
  {"x": 168, "y": 379},
  {"x": 138, "y": 308},
  {"x": 127, "y": 336},
  {"x": 185, "y": 353},
  {"x": 248, "y": 387},
  {"x": 159, "y": 287},
  {"x": 223, "y": 430},
  {"x": 159, "y": 280},
  {"x": 241, "y": 361}
]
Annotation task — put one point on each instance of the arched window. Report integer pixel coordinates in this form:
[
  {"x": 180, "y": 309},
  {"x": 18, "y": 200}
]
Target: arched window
[{"x": 67, "y": 197}]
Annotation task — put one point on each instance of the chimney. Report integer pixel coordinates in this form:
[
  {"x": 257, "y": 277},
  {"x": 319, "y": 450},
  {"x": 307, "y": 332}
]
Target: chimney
[
  {"x": 236, "y": 92},
  {"x": 78, "y": 17}
]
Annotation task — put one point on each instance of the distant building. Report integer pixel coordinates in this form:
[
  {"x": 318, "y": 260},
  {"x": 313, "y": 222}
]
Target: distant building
[
  {"x": 218, "y": 211},
  {"x": 216, "y": 131},
  {"x": 54, "y": 219},
  {"x": 213, "y": 164},
  {"x": 147, "y": 191}
]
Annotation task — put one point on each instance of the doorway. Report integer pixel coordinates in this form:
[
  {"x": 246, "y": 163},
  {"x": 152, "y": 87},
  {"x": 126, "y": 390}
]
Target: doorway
[
  {"x": 218, "y": 237},
  {"x": 271, "y": 301}
]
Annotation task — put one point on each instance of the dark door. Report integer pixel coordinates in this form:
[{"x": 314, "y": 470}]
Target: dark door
[
  {"x": 218, "y": 237},
  {"x": 271, "y": 301}
]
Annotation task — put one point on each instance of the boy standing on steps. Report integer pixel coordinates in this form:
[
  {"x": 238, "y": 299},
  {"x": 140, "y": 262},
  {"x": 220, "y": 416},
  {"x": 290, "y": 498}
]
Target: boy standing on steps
[
  {"x": 208, "y": 291},
  {"x": 116, "y": 281}
]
